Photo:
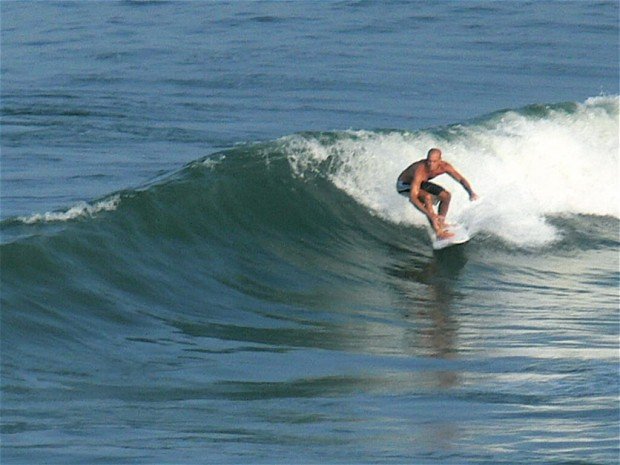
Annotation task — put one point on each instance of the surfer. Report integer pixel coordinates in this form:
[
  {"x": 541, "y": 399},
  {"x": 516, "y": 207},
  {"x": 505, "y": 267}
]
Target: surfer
[{"x": 413, "y": 182}]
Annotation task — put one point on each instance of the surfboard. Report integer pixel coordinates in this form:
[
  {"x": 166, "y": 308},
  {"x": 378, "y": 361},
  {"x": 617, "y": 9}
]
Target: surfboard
[{"x": 460, "y": 237}]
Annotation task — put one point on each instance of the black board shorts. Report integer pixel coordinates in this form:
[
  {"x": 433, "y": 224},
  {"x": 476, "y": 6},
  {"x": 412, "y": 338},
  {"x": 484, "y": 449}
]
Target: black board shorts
[{"x": 404, "y": 188}]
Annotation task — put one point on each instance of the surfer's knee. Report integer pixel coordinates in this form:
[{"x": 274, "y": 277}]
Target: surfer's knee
[
  {"x": 445, "y": 196},
  {"x": 426, "y": 198}
]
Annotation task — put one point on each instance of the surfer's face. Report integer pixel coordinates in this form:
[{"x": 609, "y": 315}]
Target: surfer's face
[{"x": 432, "y": 162}]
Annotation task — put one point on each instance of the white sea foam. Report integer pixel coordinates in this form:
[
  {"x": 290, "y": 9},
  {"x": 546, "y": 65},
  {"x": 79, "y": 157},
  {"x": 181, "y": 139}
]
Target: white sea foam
[
  {"x": 81, "y": 209},
  {"x": 524, "y": 167},
  {"x": 212, "y": 162}
]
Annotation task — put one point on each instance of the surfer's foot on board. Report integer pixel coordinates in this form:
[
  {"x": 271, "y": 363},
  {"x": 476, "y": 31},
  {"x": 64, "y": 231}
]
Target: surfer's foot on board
[
  {"x": 444, "y": 234},
  {"x": 439, "y": 225}
]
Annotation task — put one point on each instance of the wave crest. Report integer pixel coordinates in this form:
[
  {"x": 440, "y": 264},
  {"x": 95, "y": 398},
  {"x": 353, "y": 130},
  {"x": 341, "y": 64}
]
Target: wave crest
[{"x": 81, "y": 209}]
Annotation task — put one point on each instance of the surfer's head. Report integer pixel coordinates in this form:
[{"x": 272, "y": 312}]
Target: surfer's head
[{"x": 433, "y": 158}]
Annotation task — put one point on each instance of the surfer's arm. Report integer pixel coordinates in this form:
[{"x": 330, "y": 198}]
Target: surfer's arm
[{"x": 458, "y": 177}]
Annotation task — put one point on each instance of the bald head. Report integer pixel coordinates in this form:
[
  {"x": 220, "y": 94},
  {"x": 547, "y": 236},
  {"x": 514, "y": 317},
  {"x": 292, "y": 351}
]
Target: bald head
[{"x": 432, "y": 152}]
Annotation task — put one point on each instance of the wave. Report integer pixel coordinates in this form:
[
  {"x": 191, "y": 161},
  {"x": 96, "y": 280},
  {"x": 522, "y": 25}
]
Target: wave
[
  {"x": 284, "y": 229},
  {"x": 527, "y": 165}
]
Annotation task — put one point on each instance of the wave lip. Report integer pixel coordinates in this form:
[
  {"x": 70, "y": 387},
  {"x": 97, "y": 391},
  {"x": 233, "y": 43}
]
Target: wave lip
[{"x": 81, "y": 209}]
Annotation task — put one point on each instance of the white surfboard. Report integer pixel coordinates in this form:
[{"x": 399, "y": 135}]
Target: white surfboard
[{"x": 460, "y": 237}]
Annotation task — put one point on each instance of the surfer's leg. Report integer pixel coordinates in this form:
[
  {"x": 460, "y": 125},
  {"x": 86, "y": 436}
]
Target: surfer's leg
[
  {"x": 437, "y": 226},
  {"x": 439, "y": 194},
  {"x": 427, "y": 200},
  {"x": 444, "y": 204}
]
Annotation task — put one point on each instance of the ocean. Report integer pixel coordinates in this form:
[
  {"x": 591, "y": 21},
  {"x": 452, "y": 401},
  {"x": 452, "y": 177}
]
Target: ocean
[{"x": 204, "y": 259}]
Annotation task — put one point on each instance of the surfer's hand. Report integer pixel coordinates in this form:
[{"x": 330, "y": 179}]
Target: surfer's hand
[{"x": 473, "y": 197}]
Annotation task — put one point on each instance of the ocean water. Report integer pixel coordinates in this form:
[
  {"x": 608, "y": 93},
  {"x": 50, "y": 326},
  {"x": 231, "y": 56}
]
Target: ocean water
[{"x": 204, "y": 260}]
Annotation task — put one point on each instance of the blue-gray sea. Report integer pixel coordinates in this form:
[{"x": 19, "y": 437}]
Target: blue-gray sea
[{"x": 204, "y": 259}]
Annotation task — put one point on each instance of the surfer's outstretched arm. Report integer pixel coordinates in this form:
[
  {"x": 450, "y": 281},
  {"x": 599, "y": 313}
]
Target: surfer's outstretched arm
[{"x": 458, "y": 177}]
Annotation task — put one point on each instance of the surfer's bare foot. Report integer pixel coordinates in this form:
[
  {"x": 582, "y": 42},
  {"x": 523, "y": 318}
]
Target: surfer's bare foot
[
  {"x": 444, "y": 234},
  {"x": 439, "y": 228}
]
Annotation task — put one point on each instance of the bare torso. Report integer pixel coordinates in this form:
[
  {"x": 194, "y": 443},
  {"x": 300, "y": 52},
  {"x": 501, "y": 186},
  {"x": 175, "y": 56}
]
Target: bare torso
[{"x": 420, "y": 168}]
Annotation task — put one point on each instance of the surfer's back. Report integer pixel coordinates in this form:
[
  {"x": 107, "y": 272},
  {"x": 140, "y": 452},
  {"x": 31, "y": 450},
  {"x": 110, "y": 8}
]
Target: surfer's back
[{"x": 409, "y": 173}]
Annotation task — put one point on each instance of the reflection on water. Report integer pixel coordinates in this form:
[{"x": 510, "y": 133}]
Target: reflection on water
[{"x": 428, "y": 288}]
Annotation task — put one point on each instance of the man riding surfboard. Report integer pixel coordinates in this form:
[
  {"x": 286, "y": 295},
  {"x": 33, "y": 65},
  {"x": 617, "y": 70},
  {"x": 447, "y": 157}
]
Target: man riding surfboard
[{"x": 414, "y": 183}]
